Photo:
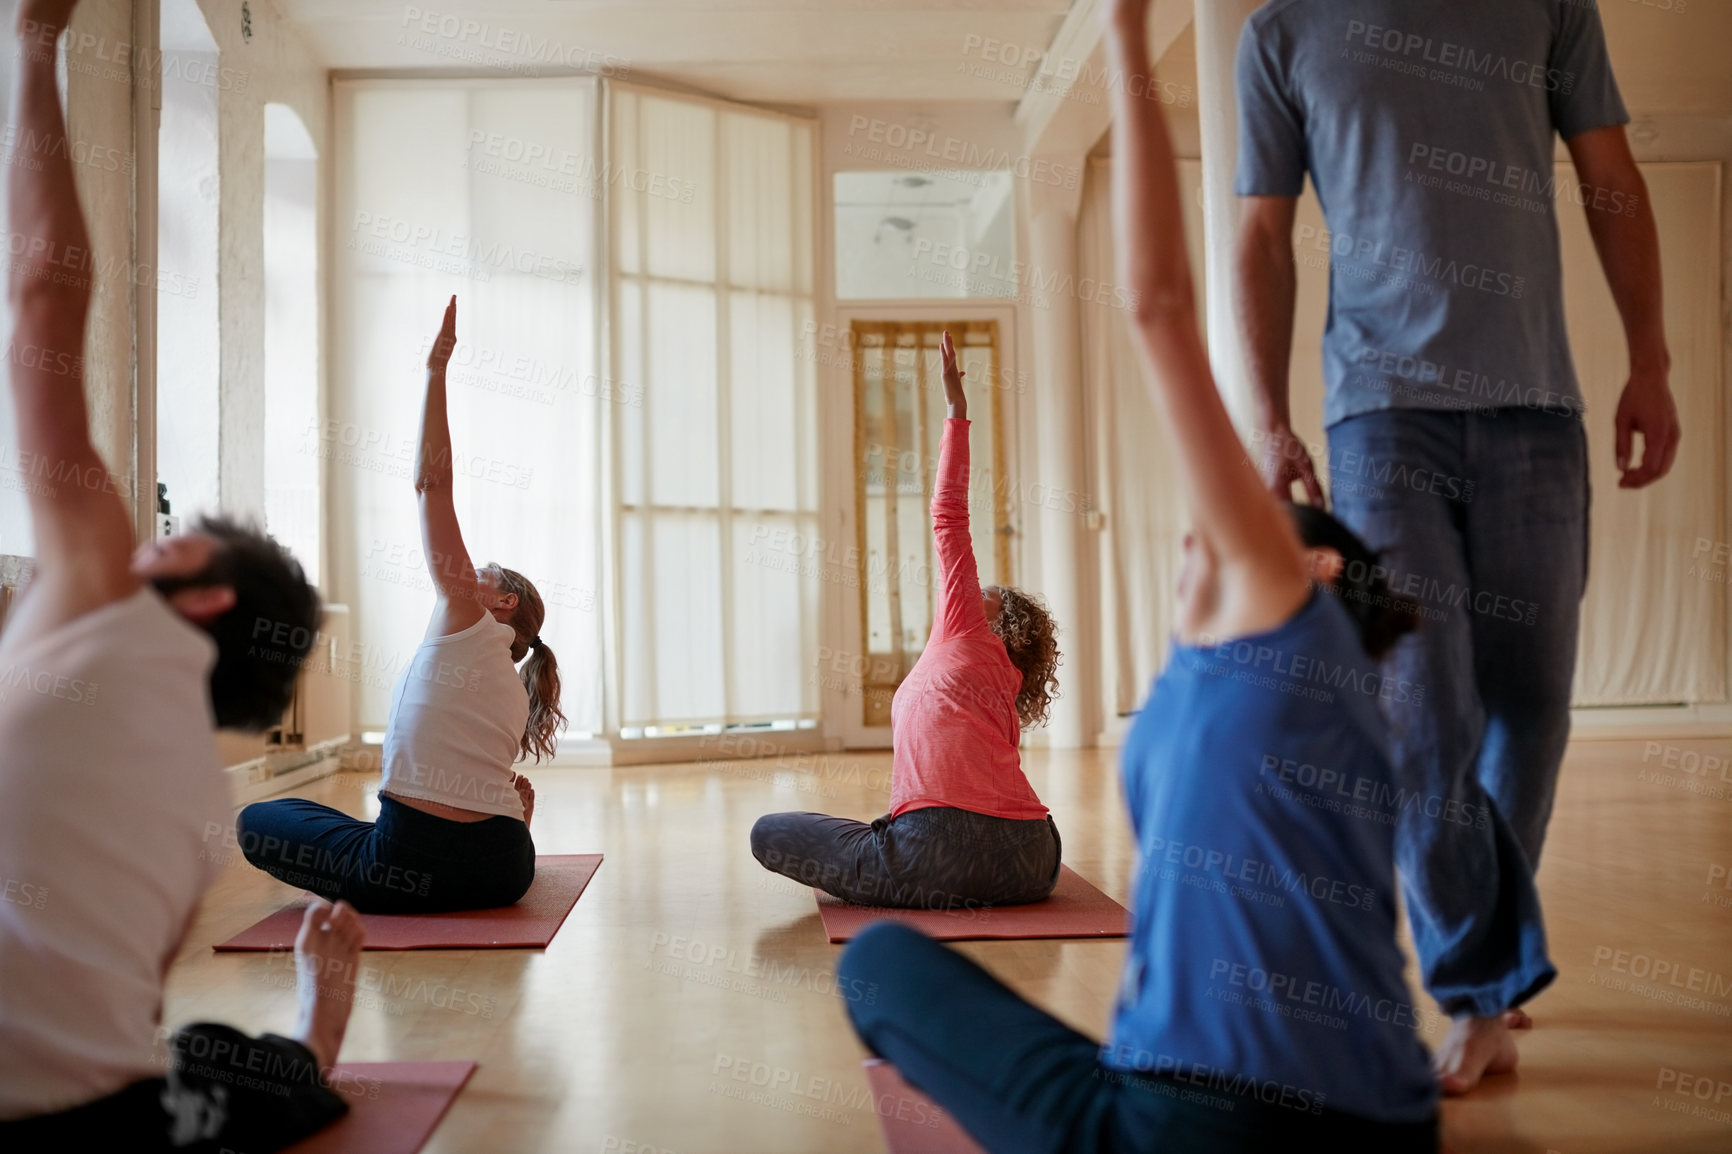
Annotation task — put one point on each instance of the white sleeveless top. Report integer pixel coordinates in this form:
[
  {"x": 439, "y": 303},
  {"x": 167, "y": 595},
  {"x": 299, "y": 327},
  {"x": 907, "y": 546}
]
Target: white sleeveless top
[
  {"x": 457, "y": 720},
  {"x": 114, "y": 818}
]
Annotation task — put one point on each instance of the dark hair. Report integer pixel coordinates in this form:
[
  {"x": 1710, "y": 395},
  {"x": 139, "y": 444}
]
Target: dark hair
[
  {"x": 1031, "y": 639},
  {"x": 1382, "y": 616},
  {"x": 263, "y": 639},
  {"x": 540, "y": 673}
]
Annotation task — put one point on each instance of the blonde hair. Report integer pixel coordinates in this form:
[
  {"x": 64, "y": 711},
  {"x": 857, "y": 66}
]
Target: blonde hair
[
  {"x": 1030, "y": 637},
  {"x": 540, "y": 673}
]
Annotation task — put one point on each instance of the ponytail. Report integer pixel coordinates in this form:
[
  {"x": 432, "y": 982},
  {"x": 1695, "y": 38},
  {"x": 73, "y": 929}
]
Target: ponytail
[
  {"x": 541, "y": 678},
  {"x": 540, "y": 673},
  {"x": 1382, "y": 616}
]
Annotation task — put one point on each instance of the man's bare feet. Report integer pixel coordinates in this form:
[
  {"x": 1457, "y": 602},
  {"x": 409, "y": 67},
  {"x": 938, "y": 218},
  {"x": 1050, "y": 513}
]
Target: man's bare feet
[
  {"x": 1517, "y": 1020},
  {"x": 1475, "y": 1047},
  {"x": 327, "y": 951},
  {"x": 526, "y": 792}
]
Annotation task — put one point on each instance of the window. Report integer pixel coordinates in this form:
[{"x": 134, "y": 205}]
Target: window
[
  {"x": 485, "y": 189},
  {"x": 711, "y": 234}
]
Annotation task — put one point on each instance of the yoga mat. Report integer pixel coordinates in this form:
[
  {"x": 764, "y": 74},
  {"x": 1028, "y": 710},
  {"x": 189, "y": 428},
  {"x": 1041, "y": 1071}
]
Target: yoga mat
[
  {"x": 393, "y": 1106},
  {"x": 910, "y": 1122},
  {"x": 1075, "y": 910},
  {"x": 530, "y": 924}
]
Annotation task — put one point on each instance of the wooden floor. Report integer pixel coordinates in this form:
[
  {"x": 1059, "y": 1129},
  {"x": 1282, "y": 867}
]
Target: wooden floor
[{"x": 623, "y": 1030}]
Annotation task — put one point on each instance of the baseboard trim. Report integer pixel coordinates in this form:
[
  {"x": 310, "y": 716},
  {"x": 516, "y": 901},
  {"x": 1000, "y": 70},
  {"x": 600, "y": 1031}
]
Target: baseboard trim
[
  {"x": 1622, "y": 723},
  {"x": 275, "y": 772}
]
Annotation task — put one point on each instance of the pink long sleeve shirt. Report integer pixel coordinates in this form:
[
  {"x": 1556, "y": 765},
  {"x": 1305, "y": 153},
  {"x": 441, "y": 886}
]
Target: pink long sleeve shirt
[{"x": 954, "y": 728}]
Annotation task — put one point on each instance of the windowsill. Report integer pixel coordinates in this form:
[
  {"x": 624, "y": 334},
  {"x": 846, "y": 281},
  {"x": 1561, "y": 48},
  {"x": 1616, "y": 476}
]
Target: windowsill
[{"x": 601, "y": 751}]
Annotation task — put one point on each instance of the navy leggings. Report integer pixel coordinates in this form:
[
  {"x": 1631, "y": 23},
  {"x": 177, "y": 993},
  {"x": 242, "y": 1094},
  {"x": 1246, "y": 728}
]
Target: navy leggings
[
  {"x": 1018, "y": 1079},
  {"x": 407, "y": 862},
  {"x": 225, "y": 1092}
]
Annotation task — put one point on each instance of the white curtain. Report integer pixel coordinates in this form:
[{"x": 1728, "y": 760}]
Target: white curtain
[
  {"x": 1654, "y": 619},
  {"x": 710, "y": 234},
  {"x": 485, "y": 189}
]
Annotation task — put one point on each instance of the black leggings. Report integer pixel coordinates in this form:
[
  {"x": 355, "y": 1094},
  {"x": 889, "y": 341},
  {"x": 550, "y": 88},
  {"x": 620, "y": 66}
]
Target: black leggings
[
  {"x": 935, "y": 858},
  {"x": 224, "y": 1092},
  {"x": 407, "y": 862}
]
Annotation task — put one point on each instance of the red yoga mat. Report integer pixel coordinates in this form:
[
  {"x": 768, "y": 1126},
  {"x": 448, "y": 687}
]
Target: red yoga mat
[
  {"x": 394, "y": 1107},
  {"x": 911, "y": 1123},
  {"x": 1076, "y": 909},
  {"x": 530, "y": 924}
]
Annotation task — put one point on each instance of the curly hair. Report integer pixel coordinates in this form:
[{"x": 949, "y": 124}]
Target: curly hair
[{"x": 1031, "y": 638}]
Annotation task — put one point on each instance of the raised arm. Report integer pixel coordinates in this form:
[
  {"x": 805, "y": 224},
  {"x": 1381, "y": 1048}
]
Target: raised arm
[
  {"x": 1622, "y": 223},
  {"x": 447, "y": 557},
  {"x": 958, "y": 608},
  {"x": 83, "y": 529},
  {"x": 1260, "y": 573}
]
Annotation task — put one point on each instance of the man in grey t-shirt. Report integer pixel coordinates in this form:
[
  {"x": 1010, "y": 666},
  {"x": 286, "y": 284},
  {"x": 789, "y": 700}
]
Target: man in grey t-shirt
[{"x": 1455, "y": 435}]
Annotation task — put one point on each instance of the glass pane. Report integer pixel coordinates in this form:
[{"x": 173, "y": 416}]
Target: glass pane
[
  {"x": 681, "y": 394},
  {"x": 764, "y": 410}
]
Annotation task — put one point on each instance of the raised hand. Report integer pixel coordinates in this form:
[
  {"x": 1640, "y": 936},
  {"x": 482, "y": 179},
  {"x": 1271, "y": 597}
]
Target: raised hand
[
  {"x": 953, "y": 394},
  {"x": 1287, "y": 459},
  {"x": 440, "y": 355}
]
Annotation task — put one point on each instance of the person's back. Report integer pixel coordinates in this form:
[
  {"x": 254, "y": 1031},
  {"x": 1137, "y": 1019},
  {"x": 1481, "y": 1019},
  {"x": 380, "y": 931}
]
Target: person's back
[
  {"x": 116, "y": 666},
  {"x": 965, "y": 826},
  {"x": 457, "y": 718},
  {"x": 1263, "y": 902},
  {"x": 955, "y": 729},
  {"x": 110, "y": 787}
]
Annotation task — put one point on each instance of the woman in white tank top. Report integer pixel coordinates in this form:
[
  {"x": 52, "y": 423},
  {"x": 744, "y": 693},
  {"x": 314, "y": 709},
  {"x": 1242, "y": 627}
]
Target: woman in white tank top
[{"x": 453, "y": 828}]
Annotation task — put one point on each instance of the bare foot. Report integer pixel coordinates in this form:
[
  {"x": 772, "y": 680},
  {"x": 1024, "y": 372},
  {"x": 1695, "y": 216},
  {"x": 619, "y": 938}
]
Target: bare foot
[
  {"x": 526, "y": 792},
  {"x": 1517, "y": 1020},
  {"x": 327, "y": 951},
  {"x": 1475, "y": 1047}
]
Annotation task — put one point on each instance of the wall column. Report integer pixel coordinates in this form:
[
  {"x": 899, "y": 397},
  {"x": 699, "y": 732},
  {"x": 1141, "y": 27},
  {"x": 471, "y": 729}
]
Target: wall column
[{"x": 1055, "y": 491}]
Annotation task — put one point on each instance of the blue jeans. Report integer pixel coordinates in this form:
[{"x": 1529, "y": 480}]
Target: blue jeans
[
  {"x": 407, "y": 862},
  {"x": 1018, "y": 1079},
  {"x": 1481, "y": 518}
]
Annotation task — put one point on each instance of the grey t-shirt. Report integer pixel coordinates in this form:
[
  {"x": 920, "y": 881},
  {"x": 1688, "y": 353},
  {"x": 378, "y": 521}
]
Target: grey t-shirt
[{"x": 1426, "y": 126}]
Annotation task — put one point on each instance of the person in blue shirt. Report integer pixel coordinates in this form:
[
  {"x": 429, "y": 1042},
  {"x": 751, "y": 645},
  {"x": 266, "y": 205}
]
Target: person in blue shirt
[
  {"x": 1262, "y": 1004},
  {"x": 1456, "y": 442}
]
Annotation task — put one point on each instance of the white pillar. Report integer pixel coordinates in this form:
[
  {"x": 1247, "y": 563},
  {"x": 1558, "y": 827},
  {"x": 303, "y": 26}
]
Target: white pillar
[
  {"x": 1218, "y": 23},
  {"x": 1067, "y": 546}
]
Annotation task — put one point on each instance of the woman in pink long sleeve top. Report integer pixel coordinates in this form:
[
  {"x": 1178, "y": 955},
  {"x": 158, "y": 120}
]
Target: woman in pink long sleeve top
[{"x": 965, "y": 828}]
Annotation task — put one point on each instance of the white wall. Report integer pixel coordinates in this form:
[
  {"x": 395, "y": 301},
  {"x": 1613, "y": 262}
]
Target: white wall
[
  {"x": 188, "y": 352},
  {"x": 291, "y": 263}
]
